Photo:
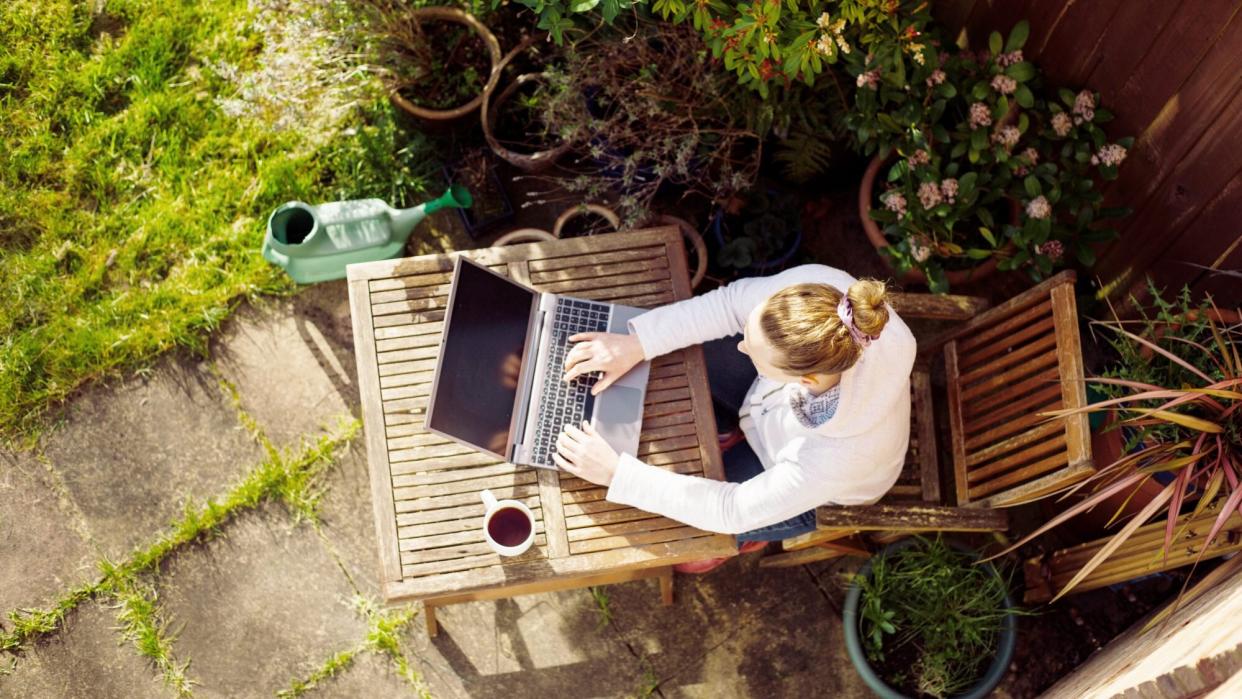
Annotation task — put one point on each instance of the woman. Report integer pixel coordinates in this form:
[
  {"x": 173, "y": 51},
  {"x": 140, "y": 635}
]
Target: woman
[{"x": 827, "y": 419}]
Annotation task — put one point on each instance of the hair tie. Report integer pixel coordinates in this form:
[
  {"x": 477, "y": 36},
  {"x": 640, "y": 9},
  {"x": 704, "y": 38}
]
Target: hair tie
[{"x": 845, "y": 310}]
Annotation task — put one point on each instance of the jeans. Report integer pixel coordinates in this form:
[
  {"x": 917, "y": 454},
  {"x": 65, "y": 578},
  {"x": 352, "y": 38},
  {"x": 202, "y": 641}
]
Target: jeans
[{"x": 730, "y": 374}]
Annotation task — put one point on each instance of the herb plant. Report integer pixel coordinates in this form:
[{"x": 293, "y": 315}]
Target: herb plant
[{"x": 931, "y": 617}]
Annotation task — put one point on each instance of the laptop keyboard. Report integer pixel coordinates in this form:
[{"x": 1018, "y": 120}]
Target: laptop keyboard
[{"x": 565, "y": 403}]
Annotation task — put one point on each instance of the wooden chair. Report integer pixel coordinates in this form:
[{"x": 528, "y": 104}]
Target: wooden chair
[{"x": 1002, "y": 367}]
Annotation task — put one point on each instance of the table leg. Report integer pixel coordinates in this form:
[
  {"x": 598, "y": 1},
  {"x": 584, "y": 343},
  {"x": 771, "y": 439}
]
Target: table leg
[
  {"x": 429, "y": 615},
  {"x": 666, "y": 586}
]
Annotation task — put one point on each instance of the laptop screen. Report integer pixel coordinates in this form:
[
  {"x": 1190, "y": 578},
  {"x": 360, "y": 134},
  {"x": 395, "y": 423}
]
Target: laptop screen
[{"x": 477, "y": 375}]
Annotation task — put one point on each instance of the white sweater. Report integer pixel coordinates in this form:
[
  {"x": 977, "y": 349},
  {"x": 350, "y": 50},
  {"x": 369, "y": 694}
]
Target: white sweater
[{"x": 852, "y": 459}]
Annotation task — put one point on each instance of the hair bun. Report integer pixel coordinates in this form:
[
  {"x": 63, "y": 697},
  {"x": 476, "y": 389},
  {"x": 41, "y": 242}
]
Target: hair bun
[{"x": 867, "y": 299}]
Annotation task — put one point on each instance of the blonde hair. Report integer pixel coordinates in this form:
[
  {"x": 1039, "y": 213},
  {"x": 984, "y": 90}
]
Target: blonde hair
[{"x": 802, "y": 324}]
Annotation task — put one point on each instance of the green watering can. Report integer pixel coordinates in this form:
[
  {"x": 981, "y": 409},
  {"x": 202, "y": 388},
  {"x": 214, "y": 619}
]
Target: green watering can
[{"x": 315, "y": 243}]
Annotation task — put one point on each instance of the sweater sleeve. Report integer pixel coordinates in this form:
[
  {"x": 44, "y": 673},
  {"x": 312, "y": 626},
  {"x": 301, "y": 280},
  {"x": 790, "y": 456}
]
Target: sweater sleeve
[
  {"x": 777, "y": 494},
  {"x": 718, "y": 313}
]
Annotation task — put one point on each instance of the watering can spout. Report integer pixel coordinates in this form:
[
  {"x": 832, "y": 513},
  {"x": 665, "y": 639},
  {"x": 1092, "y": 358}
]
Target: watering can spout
[{"x": 457, "y": 197}]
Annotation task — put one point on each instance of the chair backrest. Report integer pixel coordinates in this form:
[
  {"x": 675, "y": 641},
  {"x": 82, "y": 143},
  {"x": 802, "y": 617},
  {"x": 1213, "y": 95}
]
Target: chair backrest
[{"x": 1003, "y": 368}]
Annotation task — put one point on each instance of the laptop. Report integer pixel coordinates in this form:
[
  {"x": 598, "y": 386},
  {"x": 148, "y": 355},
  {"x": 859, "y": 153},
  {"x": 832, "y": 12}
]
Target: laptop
[{"x": 498, "y": 384}]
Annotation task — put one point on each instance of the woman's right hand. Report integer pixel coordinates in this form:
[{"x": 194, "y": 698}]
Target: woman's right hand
[{"x": 611, "y": 353}]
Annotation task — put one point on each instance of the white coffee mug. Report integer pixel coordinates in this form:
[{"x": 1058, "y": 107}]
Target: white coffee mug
[{"x": 513, "y": 517}]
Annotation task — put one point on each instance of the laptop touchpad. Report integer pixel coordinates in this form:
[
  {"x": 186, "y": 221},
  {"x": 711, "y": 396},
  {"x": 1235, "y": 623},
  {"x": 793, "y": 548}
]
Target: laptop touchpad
[{"x": 618, "y": 413}]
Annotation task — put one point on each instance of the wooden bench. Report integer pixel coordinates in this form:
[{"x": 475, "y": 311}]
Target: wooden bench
[{"x": 425, "y": 489}]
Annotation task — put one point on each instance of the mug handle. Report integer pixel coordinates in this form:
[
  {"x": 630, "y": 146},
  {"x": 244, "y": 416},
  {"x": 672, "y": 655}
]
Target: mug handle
[{"x": 489, "y": 500}]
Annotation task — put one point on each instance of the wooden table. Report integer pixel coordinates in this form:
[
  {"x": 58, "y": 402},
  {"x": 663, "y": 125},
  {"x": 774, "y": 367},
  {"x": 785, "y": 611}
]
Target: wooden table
[{"x": 425, "y": 489}]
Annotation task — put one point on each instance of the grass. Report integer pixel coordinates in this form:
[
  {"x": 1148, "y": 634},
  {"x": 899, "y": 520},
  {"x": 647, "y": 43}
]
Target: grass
[
  {"x": 603, "y": 605},
  {"x": 140, "y": 162},
  {"x": 141, "y": 623}
]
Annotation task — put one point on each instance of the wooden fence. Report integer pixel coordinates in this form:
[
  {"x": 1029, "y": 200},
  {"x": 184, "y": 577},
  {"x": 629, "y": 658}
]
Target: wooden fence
[{"x": 1172, "y": 73}]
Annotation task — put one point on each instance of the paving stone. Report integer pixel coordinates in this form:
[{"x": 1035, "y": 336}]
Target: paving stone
[
  {"x": 545, "y": 645},
  {"x": 130, "y": 453},
  {"x": 262, "y": 605},
  {"x": 371, "y": 675},
  {"x": 86, "y": 659},
  {"x": 740, "y": 631},
  {"x": 292, "y": 361},
  {"x": 347, "y": 520},
  {"x": 41, "y": 552}
]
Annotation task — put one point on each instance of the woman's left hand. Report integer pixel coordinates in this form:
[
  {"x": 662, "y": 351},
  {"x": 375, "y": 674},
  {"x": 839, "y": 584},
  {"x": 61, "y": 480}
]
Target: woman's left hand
[{"x": 585, "y": 454}]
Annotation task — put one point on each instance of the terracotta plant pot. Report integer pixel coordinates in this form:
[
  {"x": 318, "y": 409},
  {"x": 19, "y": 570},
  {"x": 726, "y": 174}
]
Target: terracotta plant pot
[
  {"x": 581, "y": 210},
  {"x": 695, "y": 242},
  {"x": 876, "y": 236},
  {"x": 452, "y": 14},
  {"x": 524, "y": 235}
]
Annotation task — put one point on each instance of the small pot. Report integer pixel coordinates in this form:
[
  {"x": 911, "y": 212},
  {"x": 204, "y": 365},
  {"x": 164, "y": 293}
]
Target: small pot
[
  {"x": 761, "y": 266},
  {"x": 582, "y": 209},
  {"x": 696, "y": 244},
  {"x": 524, "y": 235},
  {"x": 452, "y": 14},
  {"x": 476, "y": 227},
  {"x": 1005, "y": 643},
  {"x": 528, "y": 162},
  {"x": 876, "y": 236}
]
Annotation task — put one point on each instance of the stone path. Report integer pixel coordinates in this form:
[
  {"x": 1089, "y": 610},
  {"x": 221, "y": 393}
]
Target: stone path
[{"x": 271, "y": 596}]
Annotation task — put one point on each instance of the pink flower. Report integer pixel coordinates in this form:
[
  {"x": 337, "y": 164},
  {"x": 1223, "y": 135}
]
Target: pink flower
[
  {"x": 921, "y": 253},
  {"x": 870, "y": 79},
  {"x": 1007, "y": 59},
  {"x": 1038, "y": 208},
  {"x": 980, "y": 115},
  {"x": 948, "y": 187},
  {"x": 1111, "y": 154},
  {"x": 1007, "y": 136},
  {"x": 1052, "y": 249},
  {"x": 1083, "y": 103},
  {"x": 937, "y": 76},
  {"x": 1061, "y": 123},
  {"x": 895, "y": 202},
  {"x": 929, "y": 195},
  {"x": 1031, "y": 156},
  {"x": 1004, "y": 84},
  {"x": 918, "y": 158}
]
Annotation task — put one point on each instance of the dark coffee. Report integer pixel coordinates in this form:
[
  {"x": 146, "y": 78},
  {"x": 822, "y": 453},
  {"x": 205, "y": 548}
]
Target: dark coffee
[{"x": 509, "y": 526}]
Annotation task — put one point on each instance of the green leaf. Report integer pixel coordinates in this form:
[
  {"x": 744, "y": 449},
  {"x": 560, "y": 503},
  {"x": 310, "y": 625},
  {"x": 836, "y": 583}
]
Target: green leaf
[
  {"x": 1067, "y": 97},
  {"x": 978, "y": 253},
  {"x": 1018, "y": 36},
  {"x": 1031, "y": 183},
  {"x": 966, "y": 184},
  {"x": 1026, "y": 98},
  {"x": 947, "y": 89},
  {"x": 1022, "y": 72},
  {"x": 979, "y": 139},
  {"x": 980, "y": 91},
  {"x": 1086, "y": 255},
  {"x": 582, "y": 5},
  {"x": 987, "y": 234},
  {"x": 996, "y": 44}
]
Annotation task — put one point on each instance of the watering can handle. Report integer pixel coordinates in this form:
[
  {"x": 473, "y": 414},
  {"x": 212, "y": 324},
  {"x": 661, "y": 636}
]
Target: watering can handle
[{"x": 277, "y": 258}]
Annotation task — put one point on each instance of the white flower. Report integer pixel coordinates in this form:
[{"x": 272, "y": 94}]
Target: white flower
[
  {"x": 929, "y": 195},
  {"x": 937, "y": 76},
  {"x": 1111, "y": 154},
  {"x": 980, "y": 115},
  {"x": 824, "y": 22},
  {"x": 948, "y": 187},
  {"x": 1038, "y": 208},
  {"x": 1007, "y": 136},
  {"x": 921, "y": 253},
  {"x": 1061, "y": 123},
  {"x": 1004, "y": 84},
  {"x": 894, "y": 201}
]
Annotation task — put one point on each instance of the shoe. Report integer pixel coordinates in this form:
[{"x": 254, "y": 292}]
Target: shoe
[
  {"x": 710, "y": 564},
  {"x": 728, "y": 440}
]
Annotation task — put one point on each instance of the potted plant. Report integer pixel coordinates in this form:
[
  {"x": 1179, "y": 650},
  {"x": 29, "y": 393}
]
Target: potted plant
[
  {"x": 1178, "y": 385},
  {"x": 761, "y": 234},
  {"x": 439, "y": 62},
  {"x": 513, "y": 125},
  {"x": 650, "y": 116},
  {"x": 976, "y": 119},
  {"x": 921, "y": 618},
  {"x": 475, "y": 170}
]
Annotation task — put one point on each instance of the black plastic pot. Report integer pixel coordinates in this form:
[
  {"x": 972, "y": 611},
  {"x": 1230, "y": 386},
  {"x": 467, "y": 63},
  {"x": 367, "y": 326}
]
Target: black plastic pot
[
  {"x": 853, "y": 639},
  {"x": 475, "y": 226}
]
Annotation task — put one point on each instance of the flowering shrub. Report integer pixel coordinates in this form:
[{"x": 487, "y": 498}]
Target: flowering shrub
[
  {"x": 557, "y": 16},
  {"x": 1024, "y": 168},
  {"x": 768, "y": 41}
]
